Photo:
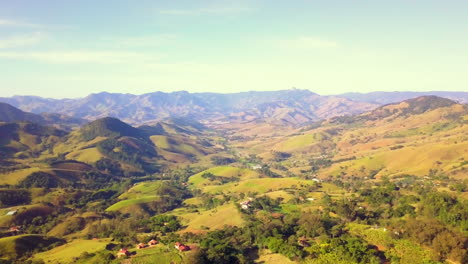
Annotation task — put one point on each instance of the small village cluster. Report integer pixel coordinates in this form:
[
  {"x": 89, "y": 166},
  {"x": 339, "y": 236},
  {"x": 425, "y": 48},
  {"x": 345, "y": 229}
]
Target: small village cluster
[{"x": 124, "y": 252}]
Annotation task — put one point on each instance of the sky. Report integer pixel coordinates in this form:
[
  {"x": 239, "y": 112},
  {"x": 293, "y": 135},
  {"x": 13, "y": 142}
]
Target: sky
[{"x": 69, "y": 49}]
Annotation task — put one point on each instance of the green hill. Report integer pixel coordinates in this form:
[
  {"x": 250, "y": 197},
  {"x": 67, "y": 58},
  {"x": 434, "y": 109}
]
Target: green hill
[
  {"x": 24, "y": 245},
  {"x": 109, "y": 127}
]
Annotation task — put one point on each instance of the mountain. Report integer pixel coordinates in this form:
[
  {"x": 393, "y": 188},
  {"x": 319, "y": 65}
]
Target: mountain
[
  {"x": 413, "y": 137},
  {"x": 27, "y": 139},
  {"x": 109, "y": 127},
  {"x": 393, "y": 97},
  {"x": 9, "y": 113},
  {"x": 414, "y": 106},
  {"x": 288, "y": 107}
]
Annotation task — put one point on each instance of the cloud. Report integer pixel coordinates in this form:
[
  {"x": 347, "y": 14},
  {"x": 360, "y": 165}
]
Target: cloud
[
  {"x": 306, "y": 42},
  {"x": 206, "y": 11},
  {"x": 82, "y": 56},
  {"x": 21, "y": 40},
  {"x": 16, "y": 23}
]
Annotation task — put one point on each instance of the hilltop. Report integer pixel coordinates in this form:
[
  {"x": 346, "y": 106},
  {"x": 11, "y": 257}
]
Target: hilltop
[{"x": 8, "y": 113}]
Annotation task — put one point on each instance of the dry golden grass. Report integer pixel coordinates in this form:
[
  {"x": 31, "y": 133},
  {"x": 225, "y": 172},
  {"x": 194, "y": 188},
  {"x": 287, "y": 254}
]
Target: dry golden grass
[{"x": 214, "y": 219}]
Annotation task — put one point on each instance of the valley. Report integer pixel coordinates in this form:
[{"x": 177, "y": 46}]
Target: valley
[{"x": 257, "y": 177}]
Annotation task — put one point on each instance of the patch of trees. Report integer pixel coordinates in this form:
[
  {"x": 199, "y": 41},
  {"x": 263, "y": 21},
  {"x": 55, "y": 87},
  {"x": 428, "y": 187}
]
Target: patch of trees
[
  {"x": 267, "y": 172},
  {"x": 319, "y": 163},
  {"x": 279, "y": 156},
  {"x": 446, "y": 243},
  {"x": 222, "y": 180},
  {"x": 171, "y": 196},
  {"x": 82, "y": 198},
  {"x": 219, "y": 160},
  {"x": 225, "y": 246},
  {"x": 39, "y": 179},
  {"x": 127, "y": 154},
  {"x": 292, "y": 236},
  {"x": 14, "y": 197},
  {"x": 396, "y": 147},
  {"x": 164, "y": 223},
  {"x": 385, "y": 193},
  {"x": 120, "y": 229},
  {"x": 210, "y": 201},
  {"x": 265, "y": 203},
  {"x": 344, "y": 159},
  {"x": 345, "y": 249},
  {"x": 109, "y": 166},
  {"x": 446, "y": 208},
  {"x": 109, "y": 127}
]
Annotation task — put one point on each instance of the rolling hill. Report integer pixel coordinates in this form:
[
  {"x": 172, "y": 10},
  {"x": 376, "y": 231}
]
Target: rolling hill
[{"x": 415, "y": 136}]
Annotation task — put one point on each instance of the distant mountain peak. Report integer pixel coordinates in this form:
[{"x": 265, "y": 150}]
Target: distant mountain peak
[
  {"x": 9, "y": 113},
  {"x": 109, "y": 127}
]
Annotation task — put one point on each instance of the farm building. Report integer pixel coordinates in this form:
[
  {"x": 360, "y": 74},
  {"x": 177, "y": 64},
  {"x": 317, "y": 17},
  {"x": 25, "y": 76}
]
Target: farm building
[
  {"x": 181, "y": 247},
  {"x": 141, "y": 245},
  {"x": 14, "y": 229},
  {"x": 123, "y": 252},
  {"x": 152, "y": 242}
]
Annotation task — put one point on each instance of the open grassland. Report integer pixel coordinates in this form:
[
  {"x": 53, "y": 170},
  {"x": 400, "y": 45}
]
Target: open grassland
[
  {"x": 161, "y": 141},
  {"x": 223, "y": 171},
  {"x": 122, "y": 204},
  {"x": 75, "y": 142},
  {"x": 260, "y": 186},
  {"x": 23, "y": 245},
  {"x": 177, "y": 144},
  {"x": 280, "y": 194},
  {"x": 5, "y": 220},
  {"x": 295, "y": 143},
  {"x": 193, "y": 201},
  {"x": 213, "y": 219},
  {"x": 267, "y": 257},
  {"x": 66, "y": 253},
  {"x": 89, "y": 155},
  {"x": 142, "y": 189},
  {"x": 416, "y": 160},
  {"x": 16, "y": 176}
]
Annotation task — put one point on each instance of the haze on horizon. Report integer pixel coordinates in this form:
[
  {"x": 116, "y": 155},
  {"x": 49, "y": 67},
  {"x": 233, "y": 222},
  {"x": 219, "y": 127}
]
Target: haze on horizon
[{"x": 67, "y": 49}]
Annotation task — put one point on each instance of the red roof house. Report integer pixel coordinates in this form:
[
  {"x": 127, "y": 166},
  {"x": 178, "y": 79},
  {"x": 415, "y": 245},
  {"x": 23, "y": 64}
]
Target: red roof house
[
  {"x": 123, "y": 252},
  {"x": 181, "y": 247},
  {"x": 14, "y": 229},
  {"x": 141, "y": 245},
  {"x": 152, "y": 242}
]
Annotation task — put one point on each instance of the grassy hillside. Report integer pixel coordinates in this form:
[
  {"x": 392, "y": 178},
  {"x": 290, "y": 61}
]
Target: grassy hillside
[
  {"x": 225, "y": 215},
  {"x": 412, "y": 137},
  {"x": 66, "y": 253},
  {"x": 222, "y": 171},
  {"x": 24, "y": 245}
]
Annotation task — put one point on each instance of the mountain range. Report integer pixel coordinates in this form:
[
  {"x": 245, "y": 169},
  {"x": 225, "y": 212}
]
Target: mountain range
[{"x": 288, "y": 107}]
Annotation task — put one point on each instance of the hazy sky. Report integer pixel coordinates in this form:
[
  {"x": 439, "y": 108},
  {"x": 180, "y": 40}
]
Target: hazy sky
[{"x": 66, "y": 48}]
